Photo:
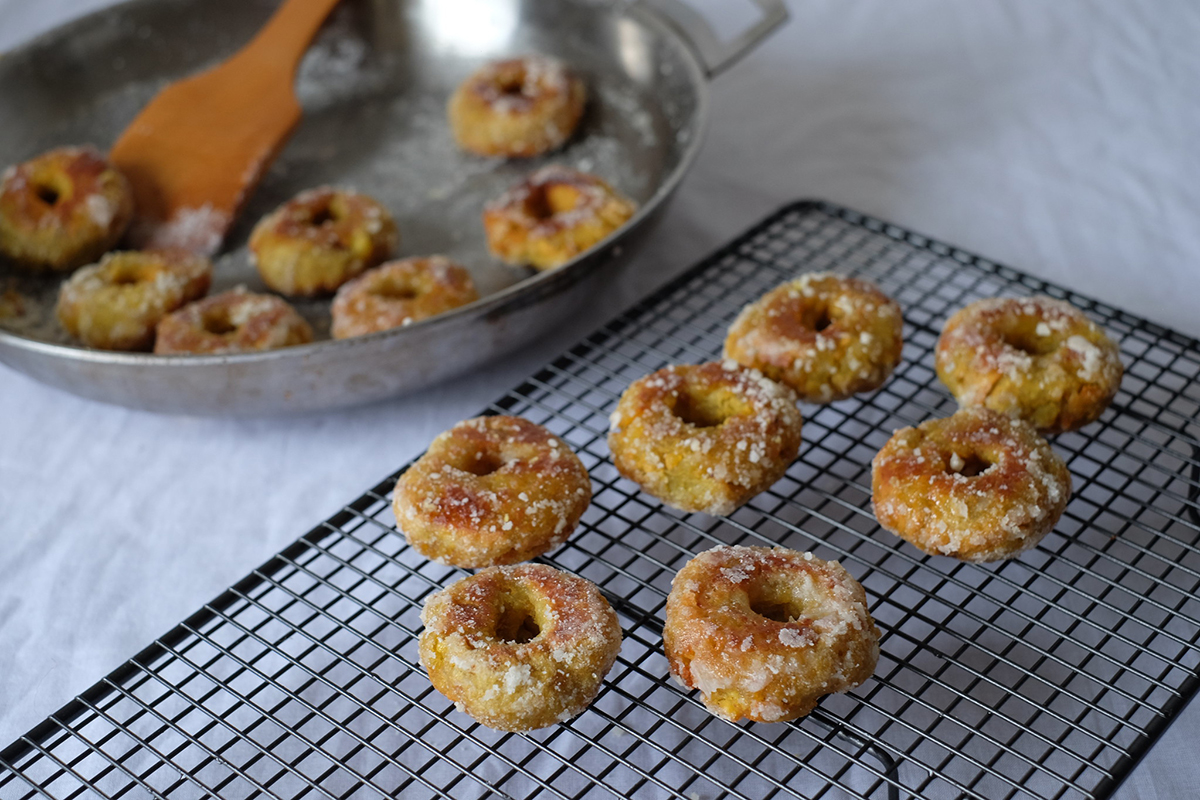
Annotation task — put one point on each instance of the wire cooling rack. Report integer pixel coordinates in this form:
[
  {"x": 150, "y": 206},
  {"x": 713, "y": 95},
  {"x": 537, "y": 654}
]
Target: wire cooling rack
[{"x": 1047, "y": 676}]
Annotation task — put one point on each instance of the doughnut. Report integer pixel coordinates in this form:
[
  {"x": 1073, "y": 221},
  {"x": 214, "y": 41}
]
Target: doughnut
[
  {"x": 1036, "y": 358},
  {"x": 116, "y": 304},
  {"x": 320, "y": 239},
  {"x": 236, "y": 321},
  {"x": 552, "y": 216},
  {"x": 63, "y": 209},
  {"x": 491, "y": 490},
  {"x": 519, "y": 647},
  {"x": 764, "y": 632},
  {"x": 705, "y": 437},
  {"x": 400, "y": 293},
  {"x": 826, "y": 336},
  {"x": 977, "y": 486},
  {"x": 518, "y": 107}
]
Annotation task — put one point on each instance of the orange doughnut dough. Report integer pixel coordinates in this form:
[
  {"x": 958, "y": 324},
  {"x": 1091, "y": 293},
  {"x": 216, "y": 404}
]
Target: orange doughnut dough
[
  {"x": 553, "y": 216},
  {"x": 826, "y": 336},
  {"x": 236, "y": 321},
  {"x": 320, "y": 239},
  {"x": 764, "y": 633},
  {"x": 519, "y": 647},
  {"x": 978, "y": 486},
  {"x": 1036, "y": 358},
  {"x": 518, "y": 107},
  {"x": 705, "y": 437},
  {"x": 399, "y": 293},
  {"x": 63, "y": 209},
  {"x": 118, "y": 303},
  {"x": 491, "y": 490}
]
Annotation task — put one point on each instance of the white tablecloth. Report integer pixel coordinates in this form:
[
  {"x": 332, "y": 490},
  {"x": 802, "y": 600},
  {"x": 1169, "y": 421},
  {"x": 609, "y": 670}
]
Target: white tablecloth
[{"x": 1057, "y": 137}]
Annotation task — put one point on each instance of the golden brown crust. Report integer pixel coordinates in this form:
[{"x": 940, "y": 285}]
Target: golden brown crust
[
  {"x": 477, "y": 651},
  {"x": 705, "y": 437},
  {"x": 517, "y": 108},
  {"x": 491, "y": 490},
  {"x": 978, "y": 486},
  {"x": 118, "y": 303},
  {"x": 553, "y": 216},
  {"x": 63, "y": 209},
  {"x": 1036, "y": 358},
  {"x": 320, "y": 239},
  {"x": 236, "y": 321},
  {"x": 399, "y": 293},
  {"x": 765, "y": 633},
  {"x": 826, "y": 336}
]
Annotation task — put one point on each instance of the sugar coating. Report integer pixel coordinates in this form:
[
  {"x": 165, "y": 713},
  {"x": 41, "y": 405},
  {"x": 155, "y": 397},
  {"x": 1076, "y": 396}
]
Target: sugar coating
[
  {"x": 512, "y": 685},
  {"x": 920, "y": 493},
  {"x": 254, "y": 321},
  {"x": 518, "y": 107},
  {"x": 118, "y": 303},
  {"x": 530, "y": 498},
  {"x": 399, "y": 293},
  {"x": 523, "y": 225},
  {"x": 825, "y": 336},
  {"x": 320, "y": 239},
  {"x": 710, "y": 468},
  {"x": 747, "y": 665},
  {"x": 89, "y": 213},
  {"x": 1036, "y": 358}
]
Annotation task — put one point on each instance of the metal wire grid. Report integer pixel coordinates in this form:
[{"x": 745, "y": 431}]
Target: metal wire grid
[{"x": 1043, "y": 677}]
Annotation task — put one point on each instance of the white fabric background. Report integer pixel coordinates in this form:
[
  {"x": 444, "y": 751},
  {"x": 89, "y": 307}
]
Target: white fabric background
[{"x": 1055, "y": 137}]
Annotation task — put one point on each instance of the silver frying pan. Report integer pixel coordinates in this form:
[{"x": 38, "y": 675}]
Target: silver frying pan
[{"x": 374, "y": 87}]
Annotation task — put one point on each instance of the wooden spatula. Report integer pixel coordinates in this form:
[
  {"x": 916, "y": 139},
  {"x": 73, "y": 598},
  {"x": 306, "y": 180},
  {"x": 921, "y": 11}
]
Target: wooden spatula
[{"x": 197, "y": 150}]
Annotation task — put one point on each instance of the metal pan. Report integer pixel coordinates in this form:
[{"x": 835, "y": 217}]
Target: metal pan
[{"x": 373, "y": 87}]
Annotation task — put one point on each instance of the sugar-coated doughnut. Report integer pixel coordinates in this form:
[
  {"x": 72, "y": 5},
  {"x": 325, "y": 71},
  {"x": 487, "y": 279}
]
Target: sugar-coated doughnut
[
  {"x": 118, "y": 303},
  {"x": 399, "y": 293},
  {"x": 978, "y": 485},
  {"x": 518, "y": 107},
  {"x": 320, "y": 239},
  {"x": 764, "y": 633},
  {"x": 63, "y": 209},
  {"x": 552, "y": 216},
  {"x": 826, "y": 336},
  {"x": 491, "y": 490},
  {"x": 519, "y": 647},
  {"x": 705, "y": 437},
  {"x": 236, "y": 321},
  {"x": 1036, "y": 358}
]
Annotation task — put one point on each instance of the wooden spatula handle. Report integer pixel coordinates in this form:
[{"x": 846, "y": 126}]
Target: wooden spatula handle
[{"x": 281, "y": 43}]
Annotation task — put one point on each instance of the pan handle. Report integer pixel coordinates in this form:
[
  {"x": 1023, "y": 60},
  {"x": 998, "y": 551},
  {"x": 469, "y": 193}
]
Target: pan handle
[{"x": 716, "y": 55}]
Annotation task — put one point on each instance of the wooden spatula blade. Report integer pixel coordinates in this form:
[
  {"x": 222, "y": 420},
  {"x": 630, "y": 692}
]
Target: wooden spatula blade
[{"x": 197, "y": 150}]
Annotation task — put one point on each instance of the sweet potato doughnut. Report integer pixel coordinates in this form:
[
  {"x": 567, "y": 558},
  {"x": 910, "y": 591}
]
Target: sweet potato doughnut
[
  {"x": 553, "y": 216},
  {"x": 1036, "y": 358},
  {"x": 63, "y": 209},
  {"x": 236, "y": 321},
  {"x": 399, "y": 293},
  {"x": 320, "y": 239},
  {"x": 519, "y": 107},
  {"x": 519, "y": 647},
  {"x": 978, "y": 486},
  {"x": 491, "y": 490},
  {"x": 705, "y": 437},
  {"x": 826, "y": 336},
  {"x": 116, "y": 304},
  {"x": 764, "y": 633}
]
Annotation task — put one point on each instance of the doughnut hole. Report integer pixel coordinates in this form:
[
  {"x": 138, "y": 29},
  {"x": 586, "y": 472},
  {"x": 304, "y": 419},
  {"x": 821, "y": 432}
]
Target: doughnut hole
[
  {"x": 708, "y": 409},
  {"x": 1021, "y": 334},
  {"x": 819, "y": 316},
  {"x": 511, "y": 79},
  {"x": 395, "y": 289},
  {"x": 775, "y": 600},
  {"x": 969, "y": 464},
  {"x": 218, "y": 321},
  {"x": 552, "y": 199},
  {"x": 520, "y": 619}
]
